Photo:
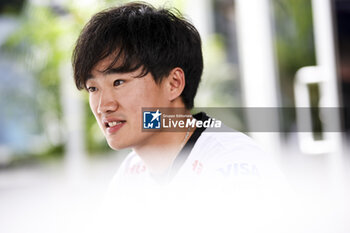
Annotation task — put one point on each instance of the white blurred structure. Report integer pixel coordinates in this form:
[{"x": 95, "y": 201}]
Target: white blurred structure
[
  {"x": 73, "y": 117},
  {"x": 200, "y": 14},
  {"x": 258, "y": 68},
  {"x": 324, "y": 74},
  {"x": 319, "y": 179}
]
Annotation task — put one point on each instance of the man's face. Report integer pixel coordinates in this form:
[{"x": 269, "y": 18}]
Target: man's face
[{"x": 117, "y": 100}]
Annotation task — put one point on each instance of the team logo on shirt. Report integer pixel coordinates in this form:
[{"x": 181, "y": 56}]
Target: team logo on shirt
[
  {"x": 239, "y": 169},
  {"x": 151, "y": 120},
  {"x": 136, "y": 169},
  {"x": 197, "y": 167}
]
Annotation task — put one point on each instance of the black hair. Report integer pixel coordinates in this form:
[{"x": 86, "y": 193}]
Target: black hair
[{"x": 137, "y": 35}]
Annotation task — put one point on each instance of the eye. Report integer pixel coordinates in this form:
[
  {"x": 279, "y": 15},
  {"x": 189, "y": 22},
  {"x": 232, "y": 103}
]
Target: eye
[
  {"x": 118, "y": 82},
  {"x": 91, "y": 89}
]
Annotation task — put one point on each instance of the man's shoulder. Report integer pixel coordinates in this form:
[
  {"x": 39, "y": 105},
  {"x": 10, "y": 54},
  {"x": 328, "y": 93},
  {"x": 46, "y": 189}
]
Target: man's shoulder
[
  {"x": 233, "y": 159},
  {"x": 232, "y": 153},
  {"x": 227, "y": 143}
]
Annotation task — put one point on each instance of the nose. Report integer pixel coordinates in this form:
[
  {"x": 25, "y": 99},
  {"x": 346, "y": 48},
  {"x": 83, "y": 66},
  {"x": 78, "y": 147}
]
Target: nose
[{"x": 107, "y": 103}]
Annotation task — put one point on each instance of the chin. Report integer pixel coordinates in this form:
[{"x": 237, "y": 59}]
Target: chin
[{"x": 116, "y": 146}]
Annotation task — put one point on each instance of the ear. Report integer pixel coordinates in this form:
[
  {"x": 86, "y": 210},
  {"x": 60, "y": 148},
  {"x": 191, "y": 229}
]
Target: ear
[{"x": 175, "y": 83}]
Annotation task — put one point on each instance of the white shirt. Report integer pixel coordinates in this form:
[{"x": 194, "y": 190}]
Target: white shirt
[
  {"x": 224, "y": 182},
  {"x": 225, "y": 160}
]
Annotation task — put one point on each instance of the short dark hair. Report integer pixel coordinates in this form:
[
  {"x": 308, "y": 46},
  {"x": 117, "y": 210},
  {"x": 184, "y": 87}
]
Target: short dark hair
[{"x": 138, "y": 35}]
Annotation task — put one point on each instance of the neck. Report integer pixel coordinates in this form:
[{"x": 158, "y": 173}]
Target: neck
[{"x": 161, "y": 149}]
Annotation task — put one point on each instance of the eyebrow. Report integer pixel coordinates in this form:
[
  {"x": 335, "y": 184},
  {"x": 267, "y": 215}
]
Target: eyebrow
[
  {"x": 107, "y": 72},
  {"x": 89, "y": 76},
  {"x": 112, "y": 71}
]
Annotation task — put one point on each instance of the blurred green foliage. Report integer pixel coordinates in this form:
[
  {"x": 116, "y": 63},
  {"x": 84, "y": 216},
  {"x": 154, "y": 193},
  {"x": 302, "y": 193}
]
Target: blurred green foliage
[
  {"x": 294, "y": 43},
  {"x": 11, "y": 6},
  {"x": 219, "y": 85},
  {"x": 43, "y": 43}
]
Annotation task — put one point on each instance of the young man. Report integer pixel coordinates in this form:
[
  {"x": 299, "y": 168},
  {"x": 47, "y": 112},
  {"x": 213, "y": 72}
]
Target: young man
[{"x": 135, "y": 56}]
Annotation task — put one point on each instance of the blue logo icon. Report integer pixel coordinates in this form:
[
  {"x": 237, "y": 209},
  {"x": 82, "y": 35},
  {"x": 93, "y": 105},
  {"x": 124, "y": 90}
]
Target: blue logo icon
[{"x": 151, "y": 120}]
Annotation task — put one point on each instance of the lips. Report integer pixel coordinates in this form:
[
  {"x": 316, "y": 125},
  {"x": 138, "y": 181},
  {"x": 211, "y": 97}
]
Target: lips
[{"x": 113, "y": 125}]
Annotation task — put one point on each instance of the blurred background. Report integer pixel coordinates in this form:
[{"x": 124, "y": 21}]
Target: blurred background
[{"x": 288, "y": 56}]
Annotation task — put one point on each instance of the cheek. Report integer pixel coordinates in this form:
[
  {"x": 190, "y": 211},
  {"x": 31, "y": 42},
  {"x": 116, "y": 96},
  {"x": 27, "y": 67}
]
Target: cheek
[{"x": 93, "y": 105}]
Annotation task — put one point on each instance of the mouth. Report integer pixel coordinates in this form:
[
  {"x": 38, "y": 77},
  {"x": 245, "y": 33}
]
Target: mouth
[
  {"x": 113, "y": 126},
  {"x": 113, "y": 123}
]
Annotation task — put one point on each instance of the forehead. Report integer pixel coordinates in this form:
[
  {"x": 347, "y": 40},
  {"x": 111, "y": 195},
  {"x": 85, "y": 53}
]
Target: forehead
[
  {"x": 102, "y": 68},
  {"x": 103, "y": 65},
  {"x": 117, "y": 63}
]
